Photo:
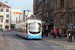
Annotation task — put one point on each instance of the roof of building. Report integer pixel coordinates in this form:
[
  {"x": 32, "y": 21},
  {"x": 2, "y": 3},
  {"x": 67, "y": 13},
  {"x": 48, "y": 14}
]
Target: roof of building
[{"x": 4, "y": 5}]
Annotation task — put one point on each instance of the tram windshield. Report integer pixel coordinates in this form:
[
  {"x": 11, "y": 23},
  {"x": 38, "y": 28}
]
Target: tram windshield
[{"x": 34, "y": 27}]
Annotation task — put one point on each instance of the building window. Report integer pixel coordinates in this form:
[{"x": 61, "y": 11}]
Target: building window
[
  {"x": 61, "y": 19},
  {"x": 7, "y": 16},
  {"x": 7, "y": 27},
  {"x": 39, "y": 1},
  {"x": 1, "y": 5},
  {"x": 71, "y": 18},
  {"x": 1, "y": 17},
  {"x": 0, "y": 26},
  {"x": 1, "y": 10},
  {"x": 7, "y": 10},
  {"x": 7, "y": 21},
  {"x": 56, "y": 3},
  {"x": 62, "y": 4},
  {"x": 1, "y": 21},
  {"x": 45, "y": 1}
]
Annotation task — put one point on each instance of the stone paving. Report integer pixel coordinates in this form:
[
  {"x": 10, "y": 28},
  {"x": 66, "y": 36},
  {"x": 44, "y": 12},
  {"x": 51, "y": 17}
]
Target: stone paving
[
  {"x": 2, "y": 46},
  {"x": 63, "y": 42}
]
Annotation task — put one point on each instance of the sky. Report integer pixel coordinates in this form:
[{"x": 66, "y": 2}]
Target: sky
[{"x": 20, "y": 4}]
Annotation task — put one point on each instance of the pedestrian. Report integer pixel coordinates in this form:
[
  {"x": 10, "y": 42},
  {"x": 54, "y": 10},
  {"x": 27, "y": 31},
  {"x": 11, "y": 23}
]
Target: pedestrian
[
  {"x": 42, "y": 31},
  {"x": 46, "y": 32},
  {"x": 54, "y": 33},
  {"x": 60, "y": 33},
  {"x": 70, "y": 35},
  {"x": 67, "y": 35},
  {"x": 74, "y": 33},
  {"x": 51, "y": 32}
]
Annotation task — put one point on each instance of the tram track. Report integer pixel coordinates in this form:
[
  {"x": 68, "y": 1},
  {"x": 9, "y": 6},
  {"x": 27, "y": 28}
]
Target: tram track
[
  {"x": 18, "y": 42},
  {"x": 10, "y": 41}
]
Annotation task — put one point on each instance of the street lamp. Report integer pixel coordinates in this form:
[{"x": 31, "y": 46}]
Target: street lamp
[{"x": 6, "y": 1}]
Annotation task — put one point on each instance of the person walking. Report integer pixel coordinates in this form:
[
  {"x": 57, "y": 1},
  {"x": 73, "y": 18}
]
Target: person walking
[
  {"x": 54, "y": 33},
  {"x": 51, "y": 32},
  {"x": 46, "y": 32},
  {"x": 42, "y": 32},
  {"x": 70, "y": 35},
  {"x": 67, "y": 34},
  {"x": 60, "y": 33}
]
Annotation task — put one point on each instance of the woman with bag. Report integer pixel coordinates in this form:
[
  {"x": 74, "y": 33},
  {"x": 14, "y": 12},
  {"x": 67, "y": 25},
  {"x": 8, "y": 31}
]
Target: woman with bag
[{"x": 70, "y": 35}]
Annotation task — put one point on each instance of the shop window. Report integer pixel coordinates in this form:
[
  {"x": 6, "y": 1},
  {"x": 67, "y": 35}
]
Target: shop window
[{"x": 61, "y": 19}]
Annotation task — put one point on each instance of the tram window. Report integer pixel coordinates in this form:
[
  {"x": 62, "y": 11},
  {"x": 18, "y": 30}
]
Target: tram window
[
  {"x": 26, "y": 28},
  {"x": 35, "y": 27}
]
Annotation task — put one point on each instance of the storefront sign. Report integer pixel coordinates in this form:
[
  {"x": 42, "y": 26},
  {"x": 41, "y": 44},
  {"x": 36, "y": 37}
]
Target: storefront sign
[
  {"x": 69, "y": 24},
  {"x": 73, "y": 23}
]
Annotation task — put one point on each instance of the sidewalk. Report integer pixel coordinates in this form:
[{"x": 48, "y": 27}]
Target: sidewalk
[
  {"x": 1, "y": 42},
  {"x": 58, "y": 41}
]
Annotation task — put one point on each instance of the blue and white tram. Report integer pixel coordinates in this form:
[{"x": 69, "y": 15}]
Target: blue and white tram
[{"x": 30, "y": 29}]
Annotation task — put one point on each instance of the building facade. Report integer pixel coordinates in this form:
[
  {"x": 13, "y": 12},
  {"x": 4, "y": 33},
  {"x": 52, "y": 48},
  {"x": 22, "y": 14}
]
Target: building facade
[
  {"x": 4, "y": 16},
  {"x": 14, "y": 15},
  {"x": 43, "y": 9},
  {"x": 64, "y": 14}
]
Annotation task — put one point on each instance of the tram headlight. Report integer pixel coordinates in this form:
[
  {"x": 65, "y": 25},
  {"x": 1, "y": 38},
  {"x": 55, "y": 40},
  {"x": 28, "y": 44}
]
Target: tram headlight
[
  {"x": 40, "y": 34},
  {"x": 28, "y": 34}
]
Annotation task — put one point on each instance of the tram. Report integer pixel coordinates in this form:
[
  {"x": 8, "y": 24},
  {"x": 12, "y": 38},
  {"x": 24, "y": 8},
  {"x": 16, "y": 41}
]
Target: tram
[{"x": 29, "y": 29}]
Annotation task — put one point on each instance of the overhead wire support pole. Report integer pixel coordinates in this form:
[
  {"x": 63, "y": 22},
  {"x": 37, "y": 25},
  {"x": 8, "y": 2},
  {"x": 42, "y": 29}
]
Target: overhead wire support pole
[
  {"x": 19, "y": 18},
  {"x": 27, "y": 14},
  {"x": 24, "y": 15},
  {"x": 16, "y": 19},
  {"x": 68, "y": 18}
]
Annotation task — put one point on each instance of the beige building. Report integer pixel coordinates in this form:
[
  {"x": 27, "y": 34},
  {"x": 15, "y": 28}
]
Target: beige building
[
  {"x": 4, "y": 16},
  {"x": 64, "y": 14},
  {"x": 43, "y": 9}
]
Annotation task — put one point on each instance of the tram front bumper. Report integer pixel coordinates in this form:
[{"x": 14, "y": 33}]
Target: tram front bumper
[{"x": 34, "y": 37}]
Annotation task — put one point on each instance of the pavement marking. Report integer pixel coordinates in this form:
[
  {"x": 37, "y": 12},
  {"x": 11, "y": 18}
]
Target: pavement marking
[
  {"x": 49, "y": 43},
  {"x": 37, "y": 43},
  {"x": 20, "y": 43},
  {"x": 17, "y": 41},
  {"x": 11, "y": 46}
]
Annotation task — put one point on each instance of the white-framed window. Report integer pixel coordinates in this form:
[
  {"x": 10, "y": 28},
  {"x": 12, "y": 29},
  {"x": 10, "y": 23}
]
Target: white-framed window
[
  {"x": 1, "y": 10},
  {"x": 1, "y": 17},
  {"x": 7, "y": 10},
  {"x": 1, "y": 5},
  {"x": 7, "y": 21},
  {"x": 7, "y": 15},
  {"x": 0, "y": 26},
  {"x": 1, "y": 21}
]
